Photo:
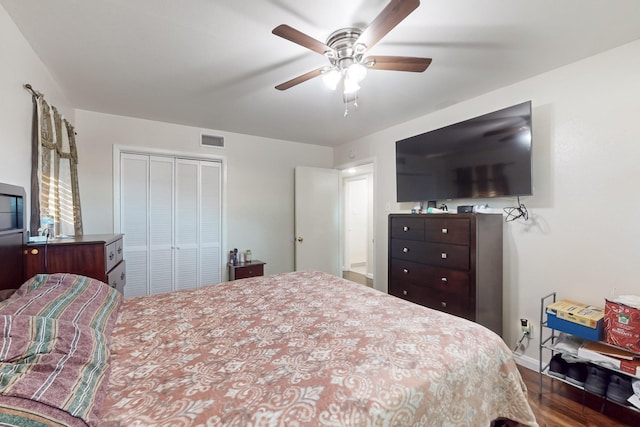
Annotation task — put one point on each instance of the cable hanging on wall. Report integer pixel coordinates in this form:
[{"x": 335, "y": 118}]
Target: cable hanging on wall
[{"x": 515, "y": 212}]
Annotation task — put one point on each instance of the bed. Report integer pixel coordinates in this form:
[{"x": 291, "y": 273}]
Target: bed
[{"x": 291, "y": 349}]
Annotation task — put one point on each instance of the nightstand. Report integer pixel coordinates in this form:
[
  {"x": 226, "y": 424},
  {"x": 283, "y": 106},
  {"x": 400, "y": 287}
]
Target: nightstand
[{"x": 242, "y": 270}]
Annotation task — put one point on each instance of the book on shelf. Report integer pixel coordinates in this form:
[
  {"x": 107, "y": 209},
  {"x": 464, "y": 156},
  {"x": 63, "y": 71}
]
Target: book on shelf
[{"x": 608, "y": 350}]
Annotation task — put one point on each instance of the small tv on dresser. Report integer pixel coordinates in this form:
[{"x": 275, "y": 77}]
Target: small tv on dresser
[{"x": 12, "y": 236}]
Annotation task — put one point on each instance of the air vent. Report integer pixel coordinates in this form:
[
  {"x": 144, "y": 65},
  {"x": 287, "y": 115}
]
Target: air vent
[{"x": 212, "y": 141}]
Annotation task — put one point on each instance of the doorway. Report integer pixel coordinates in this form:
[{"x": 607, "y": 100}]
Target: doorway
[{"x": 358, "y": 240}]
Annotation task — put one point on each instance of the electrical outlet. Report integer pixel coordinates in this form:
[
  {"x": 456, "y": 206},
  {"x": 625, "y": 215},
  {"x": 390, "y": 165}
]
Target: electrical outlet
[{"x": 525, "y": 326}]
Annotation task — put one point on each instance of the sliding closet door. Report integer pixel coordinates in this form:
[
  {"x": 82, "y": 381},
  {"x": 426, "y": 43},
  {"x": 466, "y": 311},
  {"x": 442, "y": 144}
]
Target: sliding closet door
[
  {"x": 161, "y": 173},
  {"x": 186, "y": 220},
  {"x": 170, "y": 214},
  {"x": 197, "y": 219},
  {"x": 134, "y": 196},
  {"x": 210, "y": 230}
]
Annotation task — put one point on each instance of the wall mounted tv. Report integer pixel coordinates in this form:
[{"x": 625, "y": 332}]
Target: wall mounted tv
[{"x": 487, "y": 156}]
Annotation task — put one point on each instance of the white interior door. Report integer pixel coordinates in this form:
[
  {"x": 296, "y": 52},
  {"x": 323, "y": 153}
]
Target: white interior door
[
  {"x": 317, "y": 220},
  {"x": 357, "y": 221}
]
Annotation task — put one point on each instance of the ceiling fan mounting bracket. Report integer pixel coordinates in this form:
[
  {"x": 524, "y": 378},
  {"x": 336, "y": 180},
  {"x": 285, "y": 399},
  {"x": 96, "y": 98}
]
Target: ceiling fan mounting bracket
[
  {"x": 344, "y": 48},
  {"x": 343, "y": 42}
]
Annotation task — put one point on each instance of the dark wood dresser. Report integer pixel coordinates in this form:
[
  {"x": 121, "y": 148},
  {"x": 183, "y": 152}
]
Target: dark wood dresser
[
  {"x": 99, "y": 256},
  {"x": 449, "y": 262}
]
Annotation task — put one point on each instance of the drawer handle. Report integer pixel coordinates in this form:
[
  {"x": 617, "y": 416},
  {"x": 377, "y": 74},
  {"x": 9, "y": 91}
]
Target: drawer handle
[
  {"x": 443, "y": 255},
  {"x": 113, "y": 285},
  {"x": 444, "y": 304},
  {"x": 122, "y": 276},
  {"x": 405, "y": 293},
  {"x": 111, "y": 255},
  {"x": 444, "y": 279},
  {"x": 405, "y": 270},
  {"x": 405, "y": 250},
  {"x": 405, "y": 228},
  {"x": 445, "y": 231},
  {"x": 119, "y": 250}
]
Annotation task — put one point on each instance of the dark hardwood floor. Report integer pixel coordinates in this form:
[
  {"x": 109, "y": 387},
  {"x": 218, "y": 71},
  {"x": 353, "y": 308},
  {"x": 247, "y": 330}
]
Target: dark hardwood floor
[
  {"x": 562, "y": 405},
  {"x": 358, "y": 278}
]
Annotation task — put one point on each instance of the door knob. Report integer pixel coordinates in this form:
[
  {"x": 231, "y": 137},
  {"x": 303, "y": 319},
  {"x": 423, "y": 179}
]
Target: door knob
[{"x": 300, "y": 239}]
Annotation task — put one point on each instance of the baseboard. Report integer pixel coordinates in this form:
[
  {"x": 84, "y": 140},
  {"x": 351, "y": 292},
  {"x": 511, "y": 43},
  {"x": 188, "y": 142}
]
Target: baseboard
[{"x": 527, "y": 362}]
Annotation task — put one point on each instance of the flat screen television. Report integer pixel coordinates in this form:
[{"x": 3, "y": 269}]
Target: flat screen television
[{"x": 483, "y": 157}]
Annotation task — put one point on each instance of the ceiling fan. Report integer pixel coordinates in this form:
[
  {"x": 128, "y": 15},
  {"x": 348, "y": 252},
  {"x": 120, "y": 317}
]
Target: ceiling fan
[{"x": 345, "y": 49}]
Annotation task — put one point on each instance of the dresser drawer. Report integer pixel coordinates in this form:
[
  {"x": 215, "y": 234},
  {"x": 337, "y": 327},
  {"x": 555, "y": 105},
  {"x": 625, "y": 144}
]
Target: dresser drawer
[
  {"x": 445, "y": 229},
  {"x": 458, "y": 305},
  {"x": 407, "y": 228},
  {"x": 435, "y": 278},
  {"x": 409, "y": 292},
  {"x": 245, "y": 270},
  {"x": 117, "y": 277},
  {"x": 113, "y": 254},
  {"x": 434, "y": 254}
]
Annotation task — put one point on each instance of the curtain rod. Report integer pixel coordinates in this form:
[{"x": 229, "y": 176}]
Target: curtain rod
[
  {"x": 34, "y": 92},
  {"x": 37, "y": 94}
]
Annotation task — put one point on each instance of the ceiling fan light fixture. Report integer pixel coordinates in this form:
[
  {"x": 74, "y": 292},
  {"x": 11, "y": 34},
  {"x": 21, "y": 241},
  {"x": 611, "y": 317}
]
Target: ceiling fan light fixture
[
  {"x": 357, "y": 72},
  {"x": 350, "y": 85},
  {"x": 331, "y": 78}
]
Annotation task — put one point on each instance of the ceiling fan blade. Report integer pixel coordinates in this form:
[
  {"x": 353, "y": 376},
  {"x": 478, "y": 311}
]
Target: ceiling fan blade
[
  {"x": 293, "y": 35},
  {"x": 390, "y": 16},
  {"x": 300, "y": 79},
  {"x": 398, "y": 63}
]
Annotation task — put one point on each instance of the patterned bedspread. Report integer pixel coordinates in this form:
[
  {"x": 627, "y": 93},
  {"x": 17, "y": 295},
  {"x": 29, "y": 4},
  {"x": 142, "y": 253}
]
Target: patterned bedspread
[
  {"x": 54, "y": 351},
  {"x": 305, "y": 349}
]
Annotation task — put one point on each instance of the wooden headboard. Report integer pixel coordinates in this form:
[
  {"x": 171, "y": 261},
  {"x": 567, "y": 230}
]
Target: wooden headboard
[{"x": 12, "y": 236}]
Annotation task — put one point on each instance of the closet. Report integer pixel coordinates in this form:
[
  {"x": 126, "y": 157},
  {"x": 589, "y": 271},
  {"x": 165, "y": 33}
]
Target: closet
[{"x": 170, "y": 215}]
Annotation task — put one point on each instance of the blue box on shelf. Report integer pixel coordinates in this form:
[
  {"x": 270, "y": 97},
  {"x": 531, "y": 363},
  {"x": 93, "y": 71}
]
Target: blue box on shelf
[{"x": 582, "y": 320}]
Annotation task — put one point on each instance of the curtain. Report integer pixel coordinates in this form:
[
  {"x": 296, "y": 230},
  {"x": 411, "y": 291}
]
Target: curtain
[{"x": 55, "y": 195}]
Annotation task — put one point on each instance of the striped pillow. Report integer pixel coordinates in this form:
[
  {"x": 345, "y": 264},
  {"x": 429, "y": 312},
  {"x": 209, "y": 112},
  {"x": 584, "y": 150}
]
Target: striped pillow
[{"x": 69, "y": 297}]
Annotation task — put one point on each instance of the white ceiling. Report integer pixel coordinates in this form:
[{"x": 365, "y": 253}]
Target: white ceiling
[{"x": 214, "y": 63}]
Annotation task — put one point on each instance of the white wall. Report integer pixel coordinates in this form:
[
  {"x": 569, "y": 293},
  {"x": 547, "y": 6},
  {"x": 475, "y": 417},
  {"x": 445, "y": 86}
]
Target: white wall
[
  {"x": 259, "y": 202},
  {"x": 258, "y": 211},
  {"x": 20, "y": 65},
  {"x": 582, "y": 239}
]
